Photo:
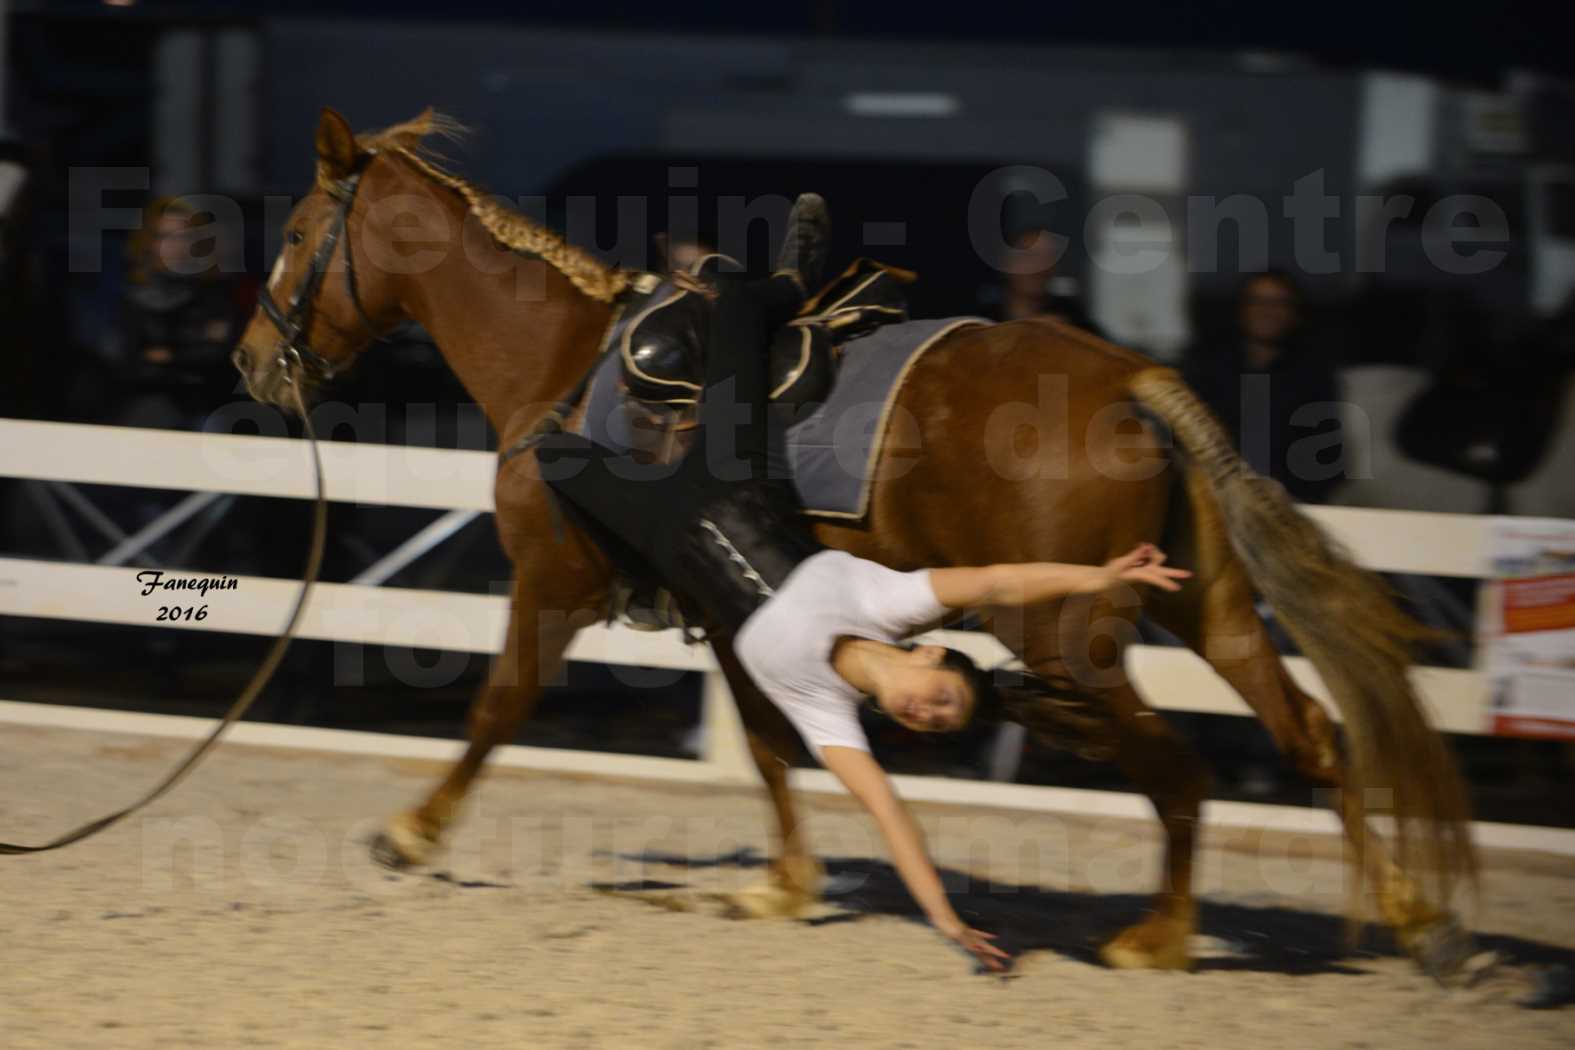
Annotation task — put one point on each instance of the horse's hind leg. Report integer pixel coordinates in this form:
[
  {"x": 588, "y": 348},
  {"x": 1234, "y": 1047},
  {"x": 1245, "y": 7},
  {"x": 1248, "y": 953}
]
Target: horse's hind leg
[
  {"x": 533, "y": 648},
  {"x": 795, "y": 873},
  {"x": 1306, "y": 734},
  {"x": 1224, "y": 628}
]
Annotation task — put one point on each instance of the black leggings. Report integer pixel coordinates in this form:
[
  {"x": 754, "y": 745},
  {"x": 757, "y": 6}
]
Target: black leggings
[{"x": 713, "y": 528}]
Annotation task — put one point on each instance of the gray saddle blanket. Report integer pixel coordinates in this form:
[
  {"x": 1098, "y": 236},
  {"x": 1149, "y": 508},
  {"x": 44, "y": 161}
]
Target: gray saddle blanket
[{"x": 833, "y": 449}]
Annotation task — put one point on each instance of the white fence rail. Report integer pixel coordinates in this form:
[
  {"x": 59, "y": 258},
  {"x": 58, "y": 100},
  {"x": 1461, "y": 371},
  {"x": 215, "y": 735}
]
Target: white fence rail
[
  {"x": 1393, "y": 541},
  {"x": 1175, "y": 679}
]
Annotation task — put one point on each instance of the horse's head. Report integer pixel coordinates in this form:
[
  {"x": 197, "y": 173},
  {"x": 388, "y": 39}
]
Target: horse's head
[{"x": 323, "y": 303}]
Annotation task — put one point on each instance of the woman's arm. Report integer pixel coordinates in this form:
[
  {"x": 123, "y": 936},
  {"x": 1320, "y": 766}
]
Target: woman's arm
[
  {"x": 863, "y": 776},
  {"x": 1014, "y": 585}
]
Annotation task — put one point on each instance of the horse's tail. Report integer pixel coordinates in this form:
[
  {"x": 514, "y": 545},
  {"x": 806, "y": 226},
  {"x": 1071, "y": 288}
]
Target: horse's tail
[{"x": 1346, "y": 622}]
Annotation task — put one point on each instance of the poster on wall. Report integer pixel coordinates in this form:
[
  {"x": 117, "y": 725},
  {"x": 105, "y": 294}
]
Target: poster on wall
[{"x": 1528, "y": 631}]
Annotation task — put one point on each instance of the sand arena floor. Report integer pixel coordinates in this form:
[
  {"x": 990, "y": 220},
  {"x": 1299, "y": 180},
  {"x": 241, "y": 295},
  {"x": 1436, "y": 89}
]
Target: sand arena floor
[{"x": 243, "y": 911}]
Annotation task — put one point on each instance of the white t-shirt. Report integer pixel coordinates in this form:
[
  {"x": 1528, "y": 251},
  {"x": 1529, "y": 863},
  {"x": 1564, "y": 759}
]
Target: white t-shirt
[{"x": 786, "y": 645}]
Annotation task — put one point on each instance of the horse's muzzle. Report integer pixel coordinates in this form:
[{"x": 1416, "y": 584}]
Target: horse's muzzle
[{"x": 266, "y": 383}]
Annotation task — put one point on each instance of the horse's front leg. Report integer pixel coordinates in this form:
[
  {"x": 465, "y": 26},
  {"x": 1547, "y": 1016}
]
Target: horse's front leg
[{"x": 538, "y": 634}]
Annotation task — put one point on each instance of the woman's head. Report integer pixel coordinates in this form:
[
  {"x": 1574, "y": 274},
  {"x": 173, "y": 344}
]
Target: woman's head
[
  {"x": 930, "y": 688},
  {"x": 933, "y": 689}
]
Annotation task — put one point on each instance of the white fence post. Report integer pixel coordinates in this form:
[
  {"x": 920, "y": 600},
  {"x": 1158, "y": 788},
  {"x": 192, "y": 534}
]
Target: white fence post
[{"x": 726, "y": 749}]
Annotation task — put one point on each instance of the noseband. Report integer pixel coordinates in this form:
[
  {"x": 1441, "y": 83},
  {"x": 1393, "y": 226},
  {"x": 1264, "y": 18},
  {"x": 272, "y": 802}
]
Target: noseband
[{"x": 295, "y": 317}]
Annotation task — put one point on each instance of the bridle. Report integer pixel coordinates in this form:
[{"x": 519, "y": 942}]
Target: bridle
[{"x": 295, "y": 317}]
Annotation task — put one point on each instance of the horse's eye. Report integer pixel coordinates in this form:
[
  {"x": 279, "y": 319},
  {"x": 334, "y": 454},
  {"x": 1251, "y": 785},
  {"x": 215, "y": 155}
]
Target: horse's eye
[{"x": 294, "y": 237}]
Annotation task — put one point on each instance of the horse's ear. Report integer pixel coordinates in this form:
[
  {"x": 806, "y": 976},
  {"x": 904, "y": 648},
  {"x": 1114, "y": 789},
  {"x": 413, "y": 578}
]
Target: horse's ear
[
  {"x": 336, "y": 148},
  {"x": 425, "y": 119}
]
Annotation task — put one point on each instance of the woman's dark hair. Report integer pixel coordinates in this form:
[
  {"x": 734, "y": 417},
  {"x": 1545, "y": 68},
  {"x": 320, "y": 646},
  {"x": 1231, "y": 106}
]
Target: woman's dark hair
[{"x": 1056, "y": 710}]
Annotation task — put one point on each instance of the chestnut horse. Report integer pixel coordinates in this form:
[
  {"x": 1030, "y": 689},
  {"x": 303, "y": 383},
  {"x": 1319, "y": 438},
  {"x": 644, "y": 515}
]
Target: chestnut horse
[{"x": 519, "y": 315}]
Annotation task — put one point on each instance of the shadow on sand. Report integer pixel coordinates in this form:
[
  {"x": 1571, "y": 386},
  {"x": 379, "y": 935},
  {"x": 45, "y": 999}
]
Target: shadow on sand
[{"x": 1236, "y": 936}]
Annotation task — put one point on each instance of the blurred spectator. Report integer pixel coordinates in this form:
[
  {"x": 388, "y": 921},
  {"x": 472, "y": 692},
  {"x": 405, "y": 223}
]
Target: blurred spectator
[
  {"x": 1038, "y": 292},
  {"x": 1492, "y": 410},
  {"x": 1276, "y": 396},
  {"x": 179, "y": 322}
]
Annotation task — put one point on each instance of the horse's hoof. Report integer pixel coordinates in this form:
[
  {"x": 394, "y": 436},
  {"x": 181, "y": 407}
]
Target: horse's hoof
[
  {"x": 802, "y": 875},
  {"x": 1158, "y": 943},
  {"x": 767, "y": 900},
  {"x": 1441, "y": 948},
  {"x": 385, "y": 853},
  {"x": 402, "y": 844}
]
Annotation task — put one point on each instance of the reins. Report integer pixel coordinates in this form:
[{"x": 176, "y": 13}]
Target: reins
[{"x": 259, "y": 678}]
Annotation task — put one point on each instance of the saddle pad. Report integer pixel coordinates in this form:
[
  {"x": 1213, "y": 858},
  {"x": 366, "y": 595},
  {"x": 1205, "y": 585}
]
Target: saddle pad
[{"x": 834, "y": 450}]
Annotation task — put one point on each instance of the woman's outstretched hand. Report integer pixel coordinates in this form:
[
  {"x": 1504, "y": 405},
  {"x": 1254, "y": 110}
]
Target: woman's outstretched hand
[
  {"x": 1145, "y": 563},
  {"x": 977, "y": 943}
]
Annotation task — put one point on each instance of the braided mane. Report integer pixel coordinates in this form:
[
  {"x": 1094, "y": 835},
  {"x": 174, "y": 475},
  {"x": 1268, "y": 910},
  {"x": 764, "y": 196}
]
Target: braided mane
[{"x": 508, "y": 226}]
